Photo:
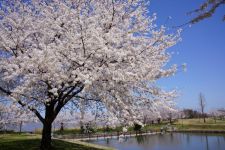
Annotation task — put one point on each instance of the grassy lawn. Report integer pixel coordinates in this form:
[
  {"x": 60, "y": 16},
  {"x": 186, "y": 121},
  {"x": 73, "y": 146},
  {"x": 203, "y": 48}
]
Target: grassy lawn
[
  {"x": 191, "y": 124},
  {"x": 198, "y": 124},
  {"x": 209, "y": 121},
  {"x": 32, "y": 142}
]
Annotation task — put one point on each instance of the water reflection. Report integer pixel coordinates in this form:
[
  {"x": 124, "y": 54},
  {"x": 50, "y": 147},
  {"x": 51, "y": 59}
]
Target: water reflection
[
  {"x": 141, "y": 139},
  {"x": 207, "y": 142},
  {"x": 122, "y": 139},
  {"x": 188, "y": 138},
  {"x": 168, "y": 141},
  {"x": 107, "y": 141}
]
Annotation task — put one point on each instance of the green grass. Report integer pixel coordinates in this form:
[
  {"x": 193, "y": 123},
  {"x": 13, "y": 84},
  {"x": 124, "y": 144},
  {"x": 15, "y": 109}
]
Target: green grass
[
  {"x": 32, "y": 142},
  {"x": 191, "y": 124},
  {"x": 209, "y": 121},
  {"x": 198, "y": 124},
  {"x": 200, "y": 127}
]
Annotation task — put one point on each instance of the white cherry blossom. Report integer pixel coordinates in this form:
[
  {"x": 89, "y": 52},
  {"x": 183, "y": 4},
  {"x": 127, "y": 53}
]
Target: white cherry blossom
[{"x": 58, "y": 51}]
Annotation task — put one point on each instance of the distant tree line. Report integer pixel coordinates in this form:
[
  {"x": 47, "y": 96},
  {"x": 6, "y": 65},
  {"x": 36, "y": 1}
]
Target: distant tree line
[{"x": 190, "y": 113}]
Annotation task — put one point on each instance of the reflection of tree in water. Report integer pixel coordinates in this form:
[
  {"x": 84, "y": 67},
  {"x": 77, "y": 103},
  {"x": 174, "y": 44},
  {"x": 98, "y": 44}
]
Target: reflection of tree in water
[
  {"x": 218, "y": 141},
  {"x": 140, "y": 139},
  {"x": 188, "y": 139},
  {"x": 207, "y": 142},
  {"x": 171, "y": 137},
  {"x": 122, "y": 139},
  {"x": 107, "y": 141},
  {"x": 126, "y": 138},
  {"x": 164, "y": 139}
]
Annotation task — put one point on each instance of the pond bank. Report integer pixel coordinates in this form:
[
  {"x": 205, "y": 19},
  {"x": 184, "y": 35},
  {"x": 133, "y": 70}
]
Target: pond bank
[
  {"x": 77, "y": 141},
  {"x": 93, "y": 137},
  {"x": 104, "y": 135},
  {"x": 82, "y": 141},
  {"x": 200, "y": 131}
]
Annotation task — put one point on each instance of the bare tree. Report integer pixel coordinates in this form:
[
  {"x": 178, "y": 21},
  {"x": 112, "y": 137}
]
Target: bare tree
[{"x": 202, "y": 104}]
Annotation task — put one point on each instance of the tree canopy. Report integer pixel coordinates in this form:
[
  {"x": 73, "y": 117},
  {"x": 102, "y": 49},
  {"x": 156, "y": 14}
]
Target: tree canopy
[{"x": 55, "y": 52}]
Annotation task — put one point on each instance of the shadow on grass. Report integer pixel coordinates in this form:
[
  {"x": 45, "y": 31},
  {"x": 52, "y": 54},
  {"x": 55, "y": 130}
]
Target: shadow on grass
[{"x": 33, "y": 144}]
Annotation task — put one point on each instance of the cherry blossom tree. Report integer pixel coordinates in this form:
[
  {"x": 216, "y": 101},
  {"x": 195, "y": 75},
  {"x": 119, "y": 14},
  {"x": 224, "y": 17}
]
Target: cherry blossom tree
[
  {"x": 6, "y": 118},
  {"x": 65, "y": 117},
  {"x": 207, "y": 10},
  {"x": 54, "y": 52},
  {"x": 161, "y": 105},
  {"x": 11, "y": 116},
  {"x": 221, "y": 113},
  {"x": 218, "y": 113},
  {"x": 166, "y": 110}
]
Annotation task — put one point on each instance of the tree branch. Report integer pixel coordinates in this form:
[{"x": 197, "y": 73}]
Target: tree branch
[
  {"x": 7, "y": 92},
  {"x": 88, "y": 99},
  {"x": 37, "y": 114},
  {"x": 23, "y": 105},
  {"x": 73, "y": 94}
]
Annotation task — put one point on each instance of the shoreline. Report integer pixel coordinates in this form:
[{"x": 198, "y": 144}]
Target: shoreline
[
  {"x": 103, "y": 135},
  {"x": 199, "y": 131},
  {"x": 84, "y": 141},
  {"x": 115, "y": 136}
]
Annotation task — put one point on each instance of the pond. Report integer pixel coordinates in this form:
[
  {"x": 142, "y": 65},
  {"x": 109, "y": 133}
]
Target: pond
[{"x": 168, "y": 141}]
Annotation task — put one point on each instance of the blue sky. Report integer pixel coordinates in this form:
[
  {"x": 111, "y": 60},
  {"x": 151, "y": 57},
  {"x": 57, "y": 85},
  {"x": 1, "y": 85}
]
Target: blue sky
[{"x": 202, "y": 48}]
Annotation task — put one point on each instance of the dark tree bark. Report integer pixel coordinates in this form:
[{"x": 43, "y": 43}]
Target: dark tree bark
[
  {"x": 46, "y": 136},
  {"x": 47, "y": 127},
  {"x": 51, "y": 111},
  {"x": 62, "y": 127}
]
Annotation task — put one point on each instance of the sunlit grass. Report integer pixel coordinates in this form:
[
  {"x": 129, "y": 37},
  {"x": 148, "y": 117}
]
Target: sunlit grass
[
  {"x": 32, "y": 142},
  {"x": 198, "y": 124},
  {"x": 198, "y": 121}
]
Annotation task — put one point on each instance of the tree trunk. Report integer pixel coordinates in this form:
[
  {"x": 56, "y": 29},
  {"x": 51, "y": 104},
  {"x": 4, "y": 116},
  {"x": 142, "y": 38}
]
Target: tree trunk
[
  {"x": 46, "y": 136},
  {"x": 21, "y": 123}
]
